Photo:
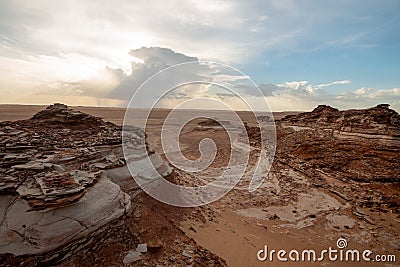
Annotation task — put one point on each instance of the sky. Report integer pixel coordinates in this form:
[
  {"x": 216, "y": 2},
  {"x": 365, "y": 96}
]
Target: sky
[{"x": 300, "y": 53}]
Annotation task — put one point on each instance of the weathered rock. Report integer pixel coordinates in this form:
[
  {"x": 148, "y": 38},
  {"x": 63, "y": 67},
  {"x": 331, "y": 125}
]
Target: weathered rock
[
  {"x": 60, "y": 115},
  {"x": 8, "y": 184},
  {"x": 30, "y": 166},
  {"x": 131, "y": 257},
  {"x": 376, "y": 120},
  {"x": 38, "y": 232},
  {"x": 154, "y": 245},
  {"x": 135, "y": 255},
  {"x": 361, "y": 145},
  {"x": 142, "y": 248},
  {"x": 50, "y": 198},
  {"x": 340, "y": 149},
  {"x": 188, "y": 252}
]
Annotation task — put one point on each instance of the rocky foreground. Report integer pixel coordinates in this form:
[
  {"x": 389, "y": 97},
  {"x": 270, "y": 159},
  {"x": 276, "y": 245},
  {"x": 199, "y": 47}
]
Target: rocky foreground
[{"x": 66, "y": 197}]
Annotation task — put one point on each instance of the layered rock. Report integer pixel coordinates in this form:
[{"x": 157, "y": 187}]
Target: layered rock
[
  {"x": 352, "y": 146},
  {"x": 61, "y": 116},
  {"x": 25, "y": 232},
  {"x": 362, "y": 144},
  {"x": 54, "y": 189},
  {"x": 379, "y": 120}
]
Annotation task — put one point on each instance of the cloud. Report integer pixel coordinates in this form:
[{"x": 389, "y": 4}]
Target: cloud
[
  {"x": 114, "y": 86},
  {"x": 159, "y": 57},
  {"x": 229, "y": 31},
  {"x": 154, "y": 59},
  {"x": 206, "y": 80},
  {"x": 361, "y": 92},
  {"x": 303, "y": 96},
  {"x": 301, "y": 88},
  {"x": 370, "y": 95},
  {"x": 64, "y": 46},
  {"x": 100, "y": 85},
  {"x": 334, "y": 83},
  {"x": 266, "y": 89}
]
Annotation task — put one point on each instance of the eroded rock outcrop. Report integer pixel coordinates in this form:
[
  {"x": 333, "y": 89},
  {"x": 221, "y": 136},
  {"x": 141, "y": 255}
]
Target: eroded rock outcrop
[
  {"x": 54, "y": 188},
  {"x": 379, "y": 120},
  {"x": 352, "y": 146},
  {"x": 61, "y": 116}
]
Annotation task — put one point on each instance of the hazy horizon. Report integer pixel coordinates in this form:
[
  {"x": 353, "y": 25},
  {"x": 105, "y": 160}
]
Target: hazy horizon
[{"x": 161, "y": 108}]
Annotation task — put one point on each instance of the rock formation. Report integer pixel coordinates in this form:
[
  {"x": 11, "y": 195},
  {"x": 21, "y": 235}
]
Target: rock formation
[
  {"x": 351, "y": 146},
  {"x": 376, "y": 120},
  {"x": 54, "y": 190}
]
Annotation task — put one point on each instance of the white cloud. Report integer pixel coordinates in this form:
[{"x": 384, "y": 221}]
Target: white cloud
[
  {"x": 334, "y": 83},
  {"x": 115, "y": 87},
  {"x": 363, "y": 91},
  {"x": 229, "y": 31},
  {"x": 391, "y": 93},
  {"x": 299, "y": 96},
  {"x": 298, "y": 88},
  {"x": 154, "y": 59}
]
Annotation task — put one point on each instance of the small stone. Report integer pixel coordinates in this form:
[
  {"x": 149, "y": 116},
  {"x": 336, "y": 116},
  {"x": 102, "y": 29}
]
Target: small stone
[
  {"x": 100, "y": 165},
  {"x": 132, "y": 256},
  {"x": 154, "y": 245},
  {"x": 112, "y": 158},
  {"x": 142, "y": 248},
  {"x": 187, "y": 254},
  {"x": 58, "y": 168}
]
